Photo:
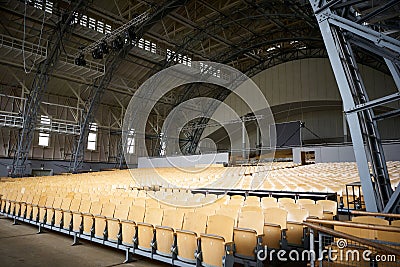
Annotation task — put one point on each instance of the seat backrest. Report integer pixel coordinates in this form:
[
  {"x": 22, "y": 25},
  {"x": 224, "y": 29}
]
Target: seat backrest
[
  {"x": 276, "y": 216},
  {"x": 152, "y": 203},
  {"x": 251, "y": 208},
  {"x": 173, "y": 218},
  {"x": 396, "y": 223},
  {"x": 136, "y": 213},
  {"x": 153, "y": 216},
  {"x": 315, "y": 210},
  {"x": 42, "y": 200},
  {"x": 251, "y": 220},
  {"x": 303, "y": 201},
  {"x": 108, "y": 209},
  {"x": 221, "y": 225},
  {"x": 286, "y": 200},
  {"x": 49, "y": 201},
  {"x": 328, "y": 205},
  {"x": 289, "y": 205},
  {"x": 297, "y": 215},
  {"x": 140, "y": 201},
  {"x": 57, "y": 202},
  {"x": 66, "y": 203},
  {"x": 127, "y": 201},
  {"x": 195, "y": 221},
  {"x": 252, "y": 199},
  {"x": 237, "y": 197},
  {"x": 122, "y": 211},
  {"x": 76, "y": 205},
  {"x": 229, "y": 211},
  {"x": 236, "y": 202},
  {"x": 370, "y": 220},
  {"x": 95, "y": 208},
  {"x": 29, "y": 199}
]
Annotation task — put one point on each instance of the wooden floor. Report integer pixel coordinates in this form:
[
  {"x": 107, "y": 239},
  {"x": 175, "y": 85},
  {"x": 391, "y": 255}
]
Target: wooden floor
[{"x": 20, "y": 245}]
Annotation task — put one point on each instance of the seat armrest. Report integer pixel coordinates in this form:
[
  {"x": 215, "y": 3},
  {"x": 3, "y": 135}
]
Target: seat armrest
[
  {"x": 248, "y": 230},
  {"x": 99, "y": 216},
  {"x": 58, "y": 209},
  {"x": 186, "y": 232},
  {"x": 144, "y": 224},
  {"x": 86, "y": 214},
  {"x": 164, "y": 227},
  {"x": 113, "y": 219},
  {"x": 217, "y": 237},
  {"x": 228, "y": 243},
  {"x": 297, "y": 223},
  {"x": 272, "y": 224},
  {"x": 128, "y": 221}
]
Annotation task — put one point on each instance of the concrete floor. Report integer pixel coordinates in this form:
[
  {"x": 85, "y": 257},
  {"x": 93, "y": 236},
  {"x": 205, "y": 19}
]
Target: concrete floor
[{"x": 21, "y": 246}]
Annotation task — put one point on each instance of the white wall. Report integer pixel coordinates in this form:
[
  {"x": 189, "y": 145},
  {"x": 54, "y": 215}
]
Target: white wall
[
  {"x": 183, "y": 161},
  {"x": 342, "y": 153}
]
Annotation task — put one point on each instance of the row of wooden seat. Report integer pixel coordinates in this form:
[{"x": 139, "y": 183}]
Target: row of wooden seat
[{"x": 121, "y": 220}]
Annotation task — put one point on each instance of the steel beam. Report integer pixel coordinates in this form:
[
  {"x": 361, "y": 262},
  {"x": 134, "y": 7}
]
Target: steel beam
[
  {"x": 39, "y": 86},
  {"x": 335, "y": 31}
]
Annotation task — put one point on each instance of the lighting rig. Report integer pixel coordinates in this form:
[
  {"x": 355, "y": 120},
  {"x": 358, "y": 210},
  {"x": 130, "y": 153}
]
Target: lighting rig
[{"x": 114, "y": 40}]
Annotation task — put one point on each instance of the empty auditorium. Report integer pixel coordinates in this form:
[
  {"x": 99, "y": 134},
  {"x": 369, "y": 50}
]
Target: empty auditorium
[{"x": 200, "y": 133}]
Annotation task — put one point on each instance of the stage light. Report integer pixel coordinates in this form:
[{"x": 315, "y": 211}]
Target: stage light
[
  {"x": 131, "y": 34},
  {"x": 97, "y": 53},
  {"x": 80, "y": 60},
  {"x": 104, "y": 47},
  {"x": 117, "y": 43}
]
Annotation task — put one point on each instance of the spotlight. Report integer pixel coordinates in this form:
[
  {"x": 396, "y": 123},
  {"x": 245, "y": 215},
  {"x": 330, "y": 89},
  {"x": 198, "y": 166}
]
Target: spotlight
[
  {"x": 80, "y": 60},
  {"x": 117, "y": 43},
  {"x": 104, "y": 47},
  {"x": 131, "y": 34},
  {"x": 97, "y": 53}
]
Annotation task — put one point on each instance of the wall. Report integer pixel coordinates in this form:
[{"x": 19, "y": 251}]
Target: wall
[
  {"x": 183, "y": 161},
  {"x": 306, "y": 88},
  {"x": 342, "y": 153}
]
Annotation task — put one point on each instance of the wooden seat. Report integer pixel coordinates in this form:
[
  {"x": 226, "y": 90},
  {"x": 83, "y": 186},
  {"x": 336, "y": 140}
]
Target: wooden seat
[
  {"x": 165, "y": 233},
  {"x": 367, "y": 233},
  {"x": 194, "y": 223},
  {"x": 129, "y": 227},
  {"x": 31, "y": 208},
  {"x": 275, "y": 220},
  {"x": 303, "y": 201},
  {"x": 295, "y": 229},
  {"x": 217, "y": 242},
  {"x": 100, "y": 220},
  {"x": 58, "y": 212},
  {"x": 286, "y": 200},
  {"x": 314, "y": 210},
  {"x": 50, "y": 211},
  {"x": 67, "y": 213},
  {"x": 330, "y": 209},
  {"x": 289, "y": 205},
  {"x": 152, "y": 217},
  {"x": 248, "y": 234},
  {"x": 230, "y": 211},
  {"x": 251, "y": 208},
  {"x": 24, "y": 205},
  {"x": 269, "y": 202},
  {"x": 396, "y": 223},
  {"x": 114, "y": 224},
  {"x": 88, "y": 218},
  {"x": 43, "y": 208}
]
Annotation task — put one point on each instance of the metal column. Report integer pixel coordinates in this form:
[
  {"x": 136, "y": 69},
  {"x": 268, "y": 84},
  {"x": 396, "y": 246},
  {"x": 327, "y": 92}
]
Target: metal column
[
  {"x": 39, "y": 86},
  {"x": 339, "y": 33}
]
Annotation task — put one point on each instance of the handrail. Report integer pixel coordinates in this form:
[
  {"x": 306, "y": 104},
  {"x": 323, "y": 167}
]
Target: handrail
[
  {"x": 356, "y": 225},
  {"x": 377, "y": 246},
  {"x": 389, "y": 215}
]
